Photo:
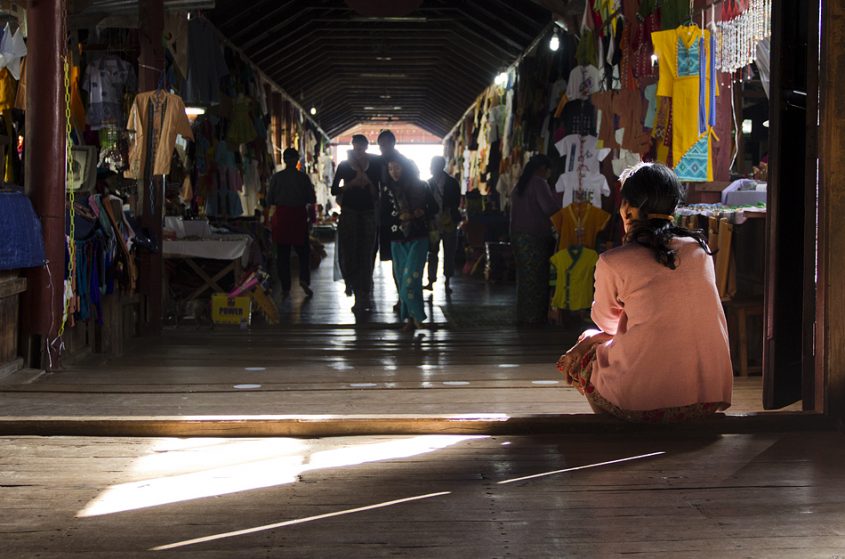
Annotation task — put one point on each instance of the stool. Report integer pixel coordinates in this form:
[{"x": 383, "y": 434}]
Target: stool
[{"x": 739, "y": 311}]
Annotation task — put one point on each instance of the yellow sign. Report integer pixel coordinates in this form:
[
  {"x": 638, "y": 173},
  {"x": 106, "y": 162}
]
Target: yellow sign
[{"x": 230, "y": 310}]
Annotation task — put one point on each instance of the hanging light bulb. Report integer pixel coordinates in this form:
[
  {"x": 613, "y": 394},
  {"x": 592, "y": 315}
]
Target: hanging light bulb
[
  {"x": 554, "y": 42},
  {"x": 313, "y": 111},
  {"x": 501, "y": 79}
]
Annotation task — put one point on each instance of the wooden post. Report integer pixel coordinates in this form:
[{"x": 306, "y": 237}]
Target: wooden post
[
  {"x": 45, "y": 177},
  {"x": 830, "y": 326},
  {"x": 150, "y": 72}
]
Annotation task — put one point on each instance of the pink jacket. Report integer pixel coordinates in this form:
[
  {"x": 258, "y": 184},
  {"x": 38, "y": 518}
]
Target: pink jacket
[{"x": 670, "y": 340}]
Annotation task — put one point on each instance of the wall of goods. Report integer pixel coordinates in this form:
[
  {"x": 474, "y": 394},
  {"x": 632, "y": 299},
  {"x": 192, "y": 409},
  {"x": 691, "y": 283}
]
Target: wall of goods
[
  {"x": 672, "y": 81},
  {"x": 211, "y": 132}
]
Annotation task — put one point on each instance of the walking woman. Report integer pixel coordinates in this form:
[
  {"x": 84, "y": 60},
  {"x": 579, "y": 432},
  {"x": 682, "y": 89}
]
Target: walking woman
[
  {"x": 662, "y": 351},
  {"x": 288, "y": 197},
  {"x": 532, "y": 205},
  {"x": 407, "y": 206}
]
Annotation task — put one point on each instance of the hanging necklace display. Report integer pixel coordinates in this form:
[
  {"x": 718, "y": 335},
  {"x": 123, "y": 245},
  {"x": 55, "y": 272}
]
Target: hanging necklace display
[{"x": 739, "y": 32}]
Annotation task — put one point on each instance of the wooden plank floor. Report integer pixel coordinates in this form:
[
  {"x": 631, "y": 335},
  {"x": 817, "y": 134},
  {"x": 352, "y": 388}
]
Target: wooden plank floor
[
  {"x": 319, "y": 361},
  {"x": 729, "y": 496}
]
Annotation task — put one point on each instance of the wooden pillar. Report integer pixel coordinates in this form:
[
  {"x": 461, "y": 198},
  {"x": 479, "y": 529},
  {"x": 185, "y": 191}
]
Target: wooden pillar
[
  {"x": 830, "y": 326},
  {"x": 45, "y": 176},
  {"x": 150, "y": 71}
]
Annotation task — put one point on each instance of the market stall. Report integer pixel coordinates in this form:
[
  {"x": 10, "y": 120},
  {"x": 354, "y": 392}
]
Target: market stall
[{"x": 677, "y": 82}]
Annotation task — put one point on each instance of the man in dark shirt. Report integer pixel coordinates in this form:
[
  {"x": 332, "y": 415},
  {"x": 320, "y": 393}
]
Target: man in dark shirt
[
  {"x": 356, "y": 231},
  {"x": 288, "y": 197},
  {"x": 447, "y": 194}
]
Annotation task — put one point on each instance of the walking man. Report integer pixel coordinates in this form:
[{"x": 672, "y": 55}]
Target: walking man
[
  {"x": 356, "y": 231},
  {"x": 447, "y": 194},
  {"x": 288, "y": 197}
]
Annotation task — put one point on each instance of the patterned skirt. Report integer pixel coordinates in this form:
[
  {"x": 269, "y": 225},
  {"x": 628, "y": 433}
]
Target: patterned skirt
[
  {"x": 531, "y": 254},
  {"x": 580, "y": 379}
]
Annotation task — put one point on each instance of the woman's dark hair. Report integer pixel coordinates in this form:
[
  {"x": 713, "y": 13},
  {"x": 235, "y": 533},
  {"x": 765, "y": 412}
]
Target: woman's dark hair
[
  {"x": 655, "y": 191},
  {"x": 534, "y": 164},
  {"x": 360, "y": 139}
]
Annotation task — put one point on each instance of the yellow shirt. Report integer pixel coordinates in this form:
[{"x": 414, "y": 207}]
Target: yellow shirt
[
  {"x": 678, "y": 52},
  {"x": 582, "y": 220},
  {"x": 574, "y": 283},
  {"x": 166, "y": 126}
]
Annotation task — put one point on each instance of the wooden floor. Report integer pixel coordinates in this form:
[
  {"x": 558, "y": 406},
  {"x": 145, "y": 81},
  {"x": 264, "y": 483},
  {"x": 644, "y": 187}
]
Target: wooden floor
[
  {"x": 321, "y": 361},
  {"x": 647, "y": 492},
  {"x": 730, "y": 496}
]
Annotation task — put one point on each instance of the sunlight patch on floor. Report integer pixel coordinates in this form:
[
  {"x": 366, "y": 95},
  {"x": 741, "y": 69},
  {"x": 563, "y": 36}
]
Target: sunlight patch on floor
[{"x": 179, "y": 471}]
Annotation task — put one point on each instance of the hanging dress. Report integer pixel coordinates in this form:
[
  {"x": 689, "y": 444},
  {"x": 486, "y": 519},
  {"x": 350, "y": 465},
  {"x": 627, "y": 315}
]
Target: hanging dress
[{"x": 684, "y": 58}]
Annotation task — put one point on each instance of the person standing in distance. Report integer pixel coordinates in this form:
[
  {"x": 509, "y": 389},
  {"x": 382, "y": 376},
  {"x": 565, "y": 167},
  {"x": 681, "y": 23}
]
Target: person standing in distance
[
  {"x": 447, "y": 194},
  {"x": 288, "y": 197},
  {"x": 532, "y": 206},
  {"x": 356, "y": 231},
  {"x": 387, "y": 146}
]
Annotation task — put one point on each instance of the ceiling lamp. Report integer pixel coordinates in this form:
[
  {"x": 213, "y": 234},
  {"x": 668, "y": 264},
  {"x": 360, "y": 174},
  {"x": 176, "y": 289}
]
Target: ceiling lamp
[
  {"x": 501, "y": 79},
  {"x": 313, "y": 111},
  {"x": 554, "y": 42}
]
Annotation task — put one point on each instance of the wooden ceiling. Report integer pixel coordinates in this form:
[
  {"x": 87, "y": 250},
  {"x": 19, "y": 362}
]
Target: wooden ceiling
[{"x": 425, "y": 67}]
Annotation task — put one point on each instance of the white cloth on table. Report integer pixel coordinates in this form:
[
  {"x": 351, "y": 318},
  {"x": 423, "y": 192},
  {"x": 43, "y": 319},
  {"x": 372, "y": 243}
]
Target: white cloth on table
[{"x": 223, "y": 247}]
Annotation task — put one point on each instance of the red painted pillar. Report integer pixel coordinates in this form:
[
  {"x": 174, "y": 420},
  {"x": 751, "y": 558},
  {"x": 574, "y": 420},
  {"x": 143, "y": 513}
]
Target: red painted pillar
[
  {"x": 45, "y": 176},
  {"x": 150, "y": 66}
]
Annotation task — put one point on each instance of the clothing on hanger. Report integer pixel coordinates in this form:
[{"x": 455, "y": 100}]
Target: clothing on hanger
[
  {"x": 575, "y": 267},
  {"x": 156, "y": 118},
  {"x": 685, "y": 77},
  {"x": 579, "y": 224}
]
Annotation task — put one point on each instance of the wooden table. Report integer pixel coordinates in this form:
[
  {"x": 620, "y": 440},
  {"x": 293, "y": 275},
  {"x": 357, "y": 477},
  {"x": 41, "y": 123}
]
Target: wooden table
[{"x": 230, "y": 248}]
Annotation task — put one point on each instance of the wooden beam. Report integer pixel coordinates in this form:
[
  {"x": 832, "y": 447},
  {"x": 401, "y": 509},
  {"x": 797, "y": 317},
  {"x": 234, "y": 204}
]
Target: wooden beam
[
  {"x": 831, "y": 297},
  {"x": 151, "y": 271},
  {"x": 45, "y": 176}
]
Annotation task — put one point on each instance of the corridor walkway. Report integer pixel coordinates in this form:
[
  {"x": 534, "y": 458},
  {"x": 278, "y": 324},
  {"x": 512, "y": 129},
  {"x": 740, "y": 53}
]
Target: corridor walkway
[{"x": 470, "y": 360}]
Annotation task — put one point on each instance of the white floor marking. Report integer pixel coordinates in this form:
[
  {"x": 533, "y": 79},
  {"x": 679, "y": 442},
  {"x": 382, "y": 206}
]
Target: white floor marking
[
  {"x": 640, "y": 457},
  {"x": 295, "y": 521}
]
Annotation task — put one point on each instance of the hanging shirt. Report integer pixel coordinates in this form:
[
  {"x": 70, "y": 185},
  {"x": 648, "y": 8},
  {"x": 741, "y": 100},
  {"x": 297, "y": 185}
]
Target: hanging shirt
[
  {"x": 625, "y": 160},
  {"x": 206, "y": 64},
  {"x": 583, "y": 82},
  {"x": 7, "y": 90},
  {"x": 592, "y": 185},
  {"x": 579, "y": 117},
  {"x": 579, "y": 150},
  {"x": 156, "y": 118},
  {"x": 579, "y": 225},
  {"x": 107, "y": 80},
  {"x": 12, "y": 51},
  {"x": 679, "y": 53},
  {"x": 575, "y": 267},
  {"x": 558, "y": 90}
]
